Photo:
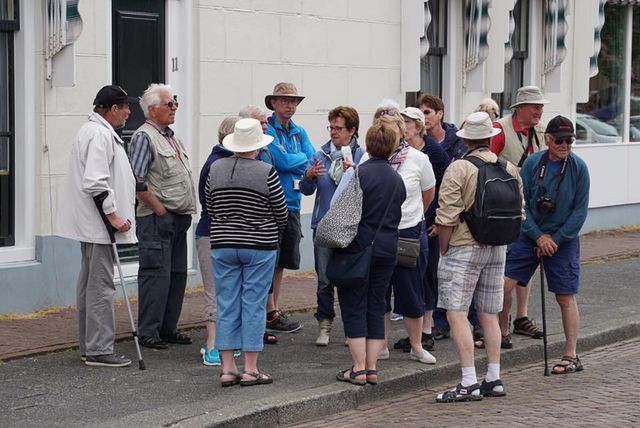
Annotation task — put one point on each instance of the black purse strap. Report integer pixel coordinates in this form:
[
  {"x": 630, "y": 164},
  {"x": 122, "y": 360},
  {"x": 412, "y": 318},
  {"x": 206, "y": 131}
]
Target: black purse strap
[{"x": 386, "y": 210}]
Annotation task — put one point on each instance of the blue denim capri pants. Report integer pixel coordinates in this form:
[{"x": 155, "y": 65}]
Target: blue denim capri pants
[{"x": 243, "y": 277}]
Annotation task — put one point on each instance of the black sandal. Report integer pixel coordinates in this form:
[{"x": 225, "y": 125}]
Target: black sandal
[
  {"x": 234, "y": 381},
  {"x": 574, "y": 365},
  {"x": 341, "y": 376},
  {"x": 259, "y": 379},
  {"x": 269, "y": 338}
]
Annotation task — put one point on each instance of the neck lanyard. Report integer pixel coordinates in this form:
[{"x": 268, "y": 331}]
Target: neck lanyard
[{"x": 544, "y": 167}]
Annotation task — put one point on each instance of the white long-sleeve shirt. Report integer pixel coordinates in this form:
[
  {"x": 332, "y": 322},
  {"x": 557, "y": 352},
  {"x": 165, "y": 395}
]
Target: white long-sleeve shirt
[{"x": 98, "y": 163}]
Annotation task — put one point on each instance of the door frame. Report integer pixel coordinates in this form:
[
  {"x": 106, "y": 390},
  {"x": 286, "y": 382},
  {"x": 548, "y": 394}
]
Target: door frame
[{"x": 178, "y": 43}]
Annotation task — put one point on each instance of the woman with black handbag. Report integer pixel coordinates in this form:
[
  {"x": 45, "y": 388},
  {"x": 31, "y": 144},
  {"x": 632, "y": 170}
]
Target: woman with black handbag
[
  {"x": 406, "y": 282},
  {"x": 363, "y": 303}
]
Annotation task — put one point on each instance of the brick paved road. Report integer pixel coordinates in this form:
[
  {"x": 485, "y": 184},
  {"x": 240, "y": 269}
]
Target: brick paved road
[{"x": 604, "y": 395}]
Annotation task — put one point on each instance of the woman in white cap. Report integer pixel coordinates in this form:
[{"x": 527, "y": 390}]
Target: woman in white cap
[{"x": 248, "y": 214}]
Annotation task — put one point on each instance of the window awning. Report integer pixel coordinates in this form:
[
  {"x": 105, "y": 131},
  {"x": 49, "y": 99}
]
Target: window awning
[
  {"x": 476, "y": 27},
  {"x": 555, "y": 30}
]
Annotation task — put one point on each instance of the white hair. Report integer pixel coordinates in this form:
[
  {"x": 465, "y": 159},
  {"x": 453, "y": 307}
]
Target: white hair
[
  {"x": 251, "y": 111},
  {"x": 226, "y": 127},
  {"x": 489, "y": 106},
  {"x": 151, "y": 96}
]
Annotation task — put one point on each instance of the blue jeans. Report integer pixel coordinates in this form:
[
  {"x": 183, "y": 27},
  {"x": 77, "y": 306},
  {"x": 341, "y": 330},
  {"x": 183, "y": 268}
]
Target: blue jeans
[
  {"x": 243, "y": 277},
  {"x": 324, "y": 292},
  {"x": 440, "y": 317}
]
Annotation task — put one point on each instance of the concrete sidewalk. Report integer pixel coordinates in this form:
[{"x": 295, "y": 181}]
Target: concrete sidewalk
[
  {"x": 38, "y": 333},
  {"x": 177, "y": 390}
]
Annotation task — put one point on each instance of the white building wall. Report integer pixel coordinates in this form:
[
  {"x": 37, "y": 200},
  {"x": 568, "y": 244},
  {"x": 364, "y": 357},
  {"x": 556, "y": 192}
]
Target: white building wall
[{"x": 336, "y": 52}]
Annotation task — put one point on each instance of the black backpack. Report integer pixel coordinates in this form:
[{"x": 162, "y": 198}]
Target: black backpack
[{"x": 496, "y": 214}]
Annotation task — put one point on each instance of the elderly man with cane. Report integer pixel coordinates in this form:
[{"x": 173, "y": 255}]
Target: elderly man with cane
[
  {"x": 556, "y": 191},
  {"x": 99, "y": 176}
]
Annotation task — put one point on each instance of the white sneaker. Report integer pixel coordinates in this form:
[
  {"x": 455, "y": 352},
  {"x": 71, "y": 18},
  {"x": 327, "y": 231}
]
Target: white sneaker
[
  {"x": 384, "y": 354},
  {"x": 396, "y": 317},
  {"x": 424, "y": 358}
]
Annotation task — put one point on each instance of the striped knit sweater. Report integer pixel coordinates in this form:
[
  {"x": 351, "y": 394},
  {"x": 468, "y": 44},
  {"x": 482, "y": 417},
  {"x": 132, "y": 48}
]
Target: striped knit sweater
[{"x": 246, "y": 204}]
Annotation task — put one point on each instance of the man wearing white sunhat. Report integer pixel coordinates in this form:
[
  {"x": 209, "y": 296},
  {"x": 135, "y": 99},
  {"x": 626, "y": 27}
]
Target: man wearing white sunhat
[
  {"x": 523, "y": 135},
  {"x": 468, "y": 268}
]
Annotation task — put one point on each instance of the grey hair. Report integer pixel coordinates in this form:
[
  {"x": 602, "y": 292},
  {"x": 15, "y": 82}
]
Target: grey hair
[
  {"x": 226, "y": 127},
  {"x": 151, "y": 96},
  {"x": 251, "y": 111}
]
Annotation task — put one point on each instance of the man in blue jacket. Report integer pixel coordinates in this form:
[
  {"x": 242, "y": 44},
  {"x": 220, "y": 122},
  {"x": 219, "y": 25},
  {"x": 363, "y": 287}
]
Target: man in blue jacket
[
  {"x": 556, "y": 192},
  {"x": 291, "y": 150}
]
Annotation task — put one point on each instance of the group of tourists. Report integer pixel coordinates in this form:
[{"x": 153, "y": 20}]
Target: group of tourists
[{"x": 425, "y": 245}]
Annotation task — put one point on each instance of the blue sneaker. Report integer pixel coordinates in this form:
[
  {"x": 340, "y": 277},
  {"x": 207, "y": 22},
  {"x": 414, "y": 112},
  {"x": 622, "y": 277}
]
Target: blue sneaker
[
  {"x": 203, "y": 351},
  {"x": 211, "y": 358}
]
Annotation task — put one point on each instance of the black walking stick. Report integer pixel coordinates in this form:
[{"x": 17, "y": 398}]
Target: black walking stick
[
  {"x": 112, "y": 236},
  {"x": 544, "y": 319}
]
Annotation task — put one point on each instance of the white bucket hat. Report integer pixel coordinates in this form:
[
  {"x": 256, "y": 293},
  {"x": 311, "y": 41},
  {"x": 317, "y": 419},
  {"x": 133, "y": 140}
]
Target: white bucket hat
[
  {"x": 529, "y": 95},
  {"x": 247, "y": 136},
  {"x": 478, "y": 126}
]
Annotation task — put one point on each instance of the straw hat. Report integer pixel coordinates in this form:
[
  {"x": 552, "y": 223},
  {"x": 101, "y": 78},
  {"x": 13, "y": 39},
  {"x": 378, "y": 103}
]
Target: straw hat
[
  {"x": 247, "y": 136},
  {"x": 478, "y": 126},
  {"x": 282, "y": 90},
  {"x": 529, "y": 95}
]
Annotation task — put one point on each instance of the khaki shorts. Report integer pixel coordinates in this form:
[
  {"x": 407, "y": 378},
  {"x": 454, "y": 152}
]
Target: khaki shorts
[{"x": 469, "y": 271}]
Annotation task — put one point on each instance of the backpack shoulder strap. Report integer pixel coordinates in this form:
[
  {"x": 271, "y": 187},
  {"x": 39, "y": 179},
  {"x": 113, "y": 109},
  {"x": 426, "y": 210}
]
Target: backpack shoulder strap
[{"x": 474, "y": 160}]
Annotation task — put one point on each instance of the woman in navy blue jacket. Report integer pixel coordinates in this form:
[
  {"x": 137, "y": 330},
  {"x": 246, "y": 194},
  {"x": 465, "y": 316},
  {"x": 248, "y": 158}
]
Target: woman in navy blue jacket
[
  {"x": 323, "y": 175},
  {"x": 363, "y": 309}
]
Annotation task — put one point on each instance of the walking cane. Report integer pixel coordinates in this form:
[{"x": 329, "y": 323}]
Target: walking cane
[
  {"x": 112, "y": 236},
  {"x": 544, "y": 319}
]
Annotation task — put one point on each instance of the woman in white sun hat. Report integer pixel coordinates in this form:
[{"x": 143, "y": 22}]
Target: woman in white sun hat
[{"x": 248, "y": 214}]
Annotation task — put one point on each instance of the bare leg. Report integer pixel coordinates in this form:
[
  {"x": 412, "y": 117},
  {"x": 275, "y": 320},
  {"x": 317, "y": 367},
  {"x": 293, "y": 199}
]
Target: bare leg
[
  {"x": 271, "y": 305},
  {"x": 250, "y": 364},
  {"x": 522, "y": 300},
  {"x": 462, "y": 337},
  {"x": 228, "y": 365},
  {"x": 503, "y": 317},
  {"x": 492, "y": 339},
  {"x": 358, "y": 348},
  {"x": 211, "y": 334},
  {"x": 570, "y": 322},
  {"x": 427, "y": 322},
  {"x": 277, "y": 284},
  {"x": 414, "y": 328}
]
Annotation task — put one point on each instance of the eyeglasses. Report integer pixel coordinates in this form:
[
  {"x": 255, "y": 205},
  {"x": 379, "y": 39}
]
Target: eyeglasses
[
  {"x": 566, "y": 140},
  {"x": 336, "y": 128},
  {"x": 170, "y": 104}
]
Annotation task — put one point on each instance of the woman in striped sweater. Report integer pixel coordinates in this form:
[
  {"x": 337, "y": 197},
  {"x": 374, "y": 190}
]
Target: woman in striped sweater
[{"x": 248, "y": 214}]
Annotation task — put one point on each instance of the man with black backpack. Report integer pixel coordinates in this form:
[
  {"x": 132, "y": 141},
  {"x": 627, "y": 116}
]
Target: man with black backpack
[{"x": 481, "y": 211}]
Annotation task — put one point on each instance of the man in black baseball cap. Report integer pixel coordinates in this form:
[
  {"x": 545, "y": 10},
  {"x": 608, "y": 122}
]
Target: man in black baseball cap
[
  {"x": 556, "y": 193},
  {"x": 112, "y": 95}
]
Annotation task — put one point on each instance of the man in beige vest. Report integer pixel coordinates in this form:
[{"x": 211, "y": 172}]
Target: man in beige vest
[
  {"x": 166, "y": 201},
  {"x": 523, "y": 134}
]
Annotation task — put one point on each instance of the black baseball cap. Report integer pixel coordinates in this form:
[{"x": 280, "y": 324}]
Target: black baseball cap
[
  {"x": 112, "y": 94},
  {"x": 560, "y": 127}
]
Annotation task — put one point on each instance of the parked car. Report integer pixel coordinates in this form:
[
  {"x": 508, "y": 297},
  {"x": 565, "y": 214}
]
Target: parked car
[{"x": 590, "y": 130}]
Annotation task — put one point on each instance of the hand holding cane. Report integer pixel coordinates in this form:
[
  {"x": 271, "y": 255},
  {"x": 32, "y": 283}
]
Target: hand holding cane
[{"x": 112, "y": 236}]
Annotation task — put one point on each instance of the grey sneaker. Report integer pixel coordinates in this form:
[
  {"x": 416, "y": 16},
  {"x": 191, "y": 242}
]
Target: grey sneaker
[
  {"x": 109, "y": 360},
  {"x": 280, "y": 323}
]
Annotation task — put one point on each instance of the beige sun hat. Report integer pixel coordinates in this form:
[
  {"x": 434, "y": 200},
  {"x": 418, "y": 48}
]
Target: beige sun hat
[
  {"x": 413, "y": 113},
  {"x": 247, "y": 136},
  {"x": 283, "y": 89},
  {"x": 529, "y": 95},
  {"x": 478, "y": 126}
]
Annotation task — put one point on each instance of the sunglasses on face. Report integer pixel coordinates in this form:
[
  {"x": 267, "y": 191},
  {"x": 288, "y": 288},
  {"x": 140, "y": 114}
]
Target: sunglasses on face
[
  {"x": 566, "y": 140},
  {"x": 170, "y": 104}
]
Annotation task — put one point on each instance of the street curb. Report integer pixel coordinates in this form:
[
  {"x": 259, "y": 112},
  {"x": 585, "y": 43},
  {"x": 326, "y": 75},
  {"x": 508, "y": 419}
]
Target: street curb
[{"x": 339, "y": 397}]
